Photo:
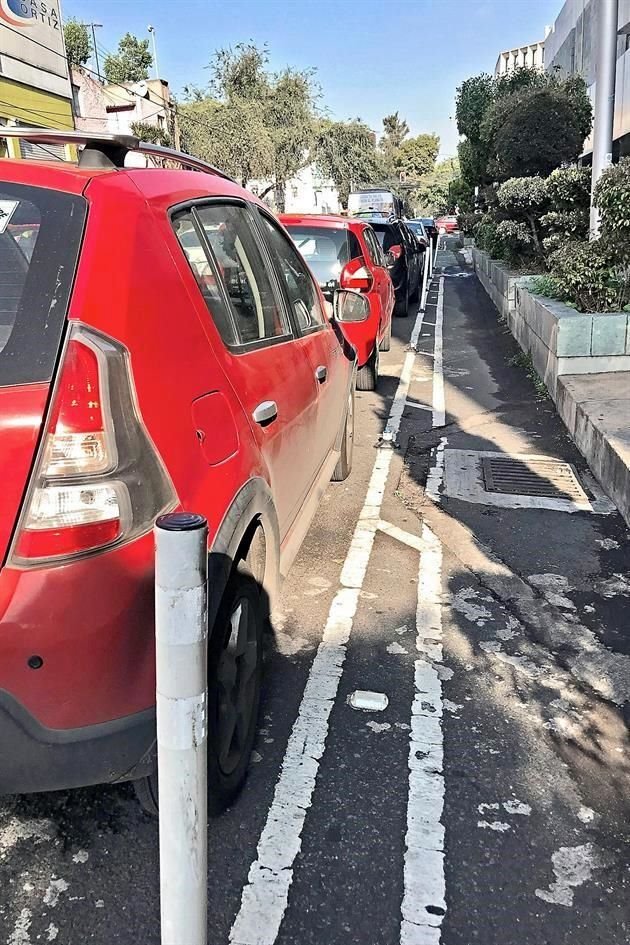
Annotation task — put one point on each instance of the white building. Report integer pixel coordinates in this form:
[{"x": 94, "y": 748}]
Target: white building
[
  {"x": 307, "y": 192},
  {"x": 571, "y": 48},
  {"x": 530, "y": 56}
]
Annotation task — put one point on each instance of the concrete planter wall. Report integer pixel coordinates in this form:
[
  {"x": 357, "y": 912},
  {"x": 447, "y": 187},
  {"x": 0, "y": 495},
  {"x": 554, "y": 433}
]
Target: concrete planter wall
[{"x": 559, "y": 339}]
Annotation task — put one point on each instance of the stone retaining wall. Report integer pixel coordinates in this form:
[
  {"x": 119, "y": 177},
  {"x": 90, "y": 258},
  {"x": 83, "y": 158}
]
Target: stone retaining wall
[{"x": 559, "y": 339}]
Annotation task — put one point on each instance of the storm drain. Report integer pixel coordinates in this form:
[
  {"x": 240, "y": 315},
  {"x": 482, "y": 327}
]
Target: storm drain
[
  {"x": 546, "y": 478},
  {"x": 518, "y": 481}
]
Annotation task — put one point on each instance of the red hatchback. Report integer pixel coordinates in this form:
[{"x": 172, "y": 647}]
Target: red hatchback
[
  {"x": 345, "y": 253},
  {"x": 162, "y": 346}
]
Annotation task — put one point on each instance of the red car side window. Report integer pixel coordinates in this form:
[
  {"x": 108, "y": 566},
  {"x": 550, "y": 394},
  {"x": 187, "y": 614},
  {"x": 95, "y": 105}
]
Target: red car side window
[{"x": 303, "y": 295}]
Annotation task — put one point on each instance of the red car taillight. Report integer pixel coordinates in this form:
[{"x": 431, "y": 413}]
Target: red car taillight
[
  {"x": 356, "y": 275},
  {"x": 98, "y": 480}
]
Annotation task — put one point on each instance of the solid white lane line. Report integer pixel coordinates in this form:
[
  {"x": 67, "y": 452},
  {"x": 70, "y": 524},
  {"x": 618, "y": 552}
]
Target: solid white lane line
[
  {"x": 436, "y": 473},
  {"x": 439, "y": 406},
  {"x": 400, "y": 400},
  {"x": 424, "y": 902},
  {"x": 265, "y": 896}
]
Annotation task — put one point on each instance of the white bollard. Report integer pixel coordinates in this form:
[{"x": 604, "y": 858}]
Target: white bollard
[
  {"x": 181, "y": 645},
  {"x": 437, "y": 249},
  {"x": 425, "y": 281}
]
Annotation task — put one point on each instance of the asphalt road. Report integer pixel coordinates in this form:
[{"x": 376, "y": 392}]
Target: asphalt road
[{"x": 488, "y": 801}]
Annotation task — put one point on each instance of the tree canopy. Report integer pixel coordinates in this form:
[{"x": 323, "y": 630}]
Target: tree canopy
[
  {"x": 346, "y": 152},
  {"x": 77, "y": 40},
  {"x": 416, "y": 156},
  {"x": 252, "y": 122},
  {"x": 521, "y": 124},
  {"x": 131, "y": 63}
]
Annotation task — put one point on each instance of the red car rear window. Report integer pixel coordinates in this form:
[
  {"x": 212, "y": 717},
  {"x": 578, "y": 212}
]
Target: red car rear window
[{"x": 40, "y": 237}]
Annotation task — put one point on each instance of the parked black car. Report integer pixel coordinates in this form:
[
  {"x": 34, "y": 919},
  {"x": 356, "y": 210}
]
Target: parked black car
[
  {"x": 405, "y": 260},
  {"x": 430, "y": 227},
  {"x": 418, "y": 228}
]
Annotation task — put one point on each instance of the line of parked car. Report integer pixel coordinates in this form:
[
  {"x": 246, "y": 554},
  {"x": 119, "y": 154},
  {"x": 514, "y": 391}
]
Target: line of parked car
[
  {"x": 207, "y": 366},
  {"x": 375, "y": 254}
]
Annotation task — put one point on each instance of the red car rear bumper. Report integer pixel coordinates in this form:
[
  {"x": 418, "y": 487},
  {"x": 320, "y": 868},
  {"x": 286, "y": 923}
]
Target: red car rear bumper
[{"x": 77, "y": 671}]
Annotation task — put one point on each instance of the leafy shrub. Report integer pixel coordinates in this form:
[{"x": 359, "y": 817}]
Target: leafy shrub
[
  {"x": 521, "y": 201},
  {"x": 467, "y": 222},
  {"x": 584, "y": 272},
  {"x": 486, "y": 238},
  {"x": 546, "y": 285},
  {"x": 516, "y": 241},
  {"x": 569, "y": 187},
  {"x": 612, "y": 196}
]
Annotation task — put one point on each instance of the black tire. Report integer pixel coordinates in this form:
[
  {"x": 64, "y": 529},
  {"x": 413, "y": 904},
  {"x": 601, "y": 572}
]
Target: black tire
[
  {"x": 235, "y": 664},
  {"x": 386, "y": 343},
  {"x": 367, "y": 376},
  {"x": 401, "y": 308},
  {"x": 344, "y": 463},
  {"x": 235, "y": 657}
]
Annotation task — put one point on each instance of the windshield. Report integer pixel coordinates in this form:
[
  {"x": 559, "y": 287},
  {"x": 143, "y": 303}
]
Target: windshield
[
  {"x": 326, "y": 250},
  {"x": 40, "y": 235},
  {"x": 416, "y": 228}
]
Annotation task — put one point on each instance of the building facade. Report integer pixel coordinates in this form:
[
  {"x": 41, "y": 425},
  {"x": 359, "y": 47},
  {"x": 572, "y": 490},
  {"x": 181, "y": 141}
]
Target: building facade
[
  {"x": 307, "y": 192},
  {"x": 571, "y": 48},
  {"x": 116, "y": 108},
  {"x": 531, "y": 56},
  {"x": 34, "y": 80}
]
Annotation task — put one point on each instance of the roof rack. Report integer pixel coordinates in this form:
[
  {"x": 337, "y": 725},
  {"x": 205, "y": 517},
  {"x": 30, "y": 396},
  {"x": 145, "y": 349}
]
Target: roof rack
[{"x": 103, "y": 149}]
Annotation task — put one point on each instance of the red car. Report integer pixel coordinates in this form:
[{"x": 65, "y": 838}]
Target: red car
[
  {"x": 447, "y": 224},
  {"x": 162, "y": 346},
  {"x": 345, "y": 253}
]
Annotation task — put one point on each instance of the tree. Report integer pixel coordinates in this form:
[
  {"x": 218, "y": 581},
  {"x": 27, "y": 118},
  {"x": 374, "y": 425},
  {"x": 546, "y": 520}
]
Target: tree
[
  {"x": 345, "y": 151},
  {"x": 533, "y": 132},
  {"x": 433, "y": 195},
  {"x": 519, "y": 124},
  {"x": 152, "y": 133},
  {"x": 276, "y": 111},
  {"x": 240, "y": 73},
  {"x": 131, "y": 63},
  {"x": 472, "y": 100},
  {"x": 231, "y": 136},
  {"x": 77, "y": 40},
  {"x": 395, "y": 130},
  {"x": 416, "y": 156}
]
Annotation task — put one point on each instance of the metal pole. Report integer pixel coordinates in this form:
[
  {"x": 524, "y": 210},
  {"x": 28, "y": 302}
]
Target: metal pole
[
  {"x": 98, "y": 67},
  {"x": 437, "y": 249},
  {"x": 425, "y": 280},
  {"x": 181, "y": 638},
  {"x": 605, "y": 74},
  {"x": 151, "y": 30}
]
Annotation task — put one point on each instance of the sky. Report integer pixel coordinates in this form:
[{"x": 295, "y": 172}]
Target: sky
[{"x": 372, "y": 57}]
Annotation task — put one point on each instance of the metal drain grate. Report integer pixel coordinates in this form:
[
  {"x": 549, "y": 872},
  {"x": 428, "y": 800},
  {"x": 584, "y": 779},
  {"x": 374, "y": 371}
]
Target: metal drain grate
[{"x": 546, "y": 478}]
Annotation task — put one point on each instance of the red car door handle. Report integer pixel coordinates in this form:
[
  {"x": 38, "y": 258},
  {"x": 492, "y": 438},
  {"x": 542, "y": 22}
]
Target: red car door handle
[
  {"x": 321, "y": 373},
  {"x": 265, "y": 412}
]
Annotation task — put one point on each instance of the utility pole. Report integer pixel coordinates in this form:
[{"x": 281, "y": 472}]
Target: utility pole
[
  {"x": 94, "y": 27},
  {"x": 151, "y": 30},
  {"x": 605, "y": 75}
]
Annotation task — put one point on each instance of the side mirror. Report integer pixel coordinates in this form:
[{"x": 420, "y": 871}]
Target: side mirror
[
  {"x": 393, "y": 254},
  {"x": 350, "y": 306}
]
